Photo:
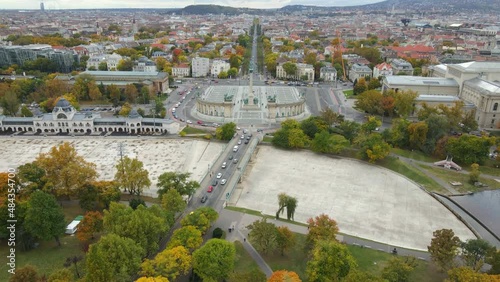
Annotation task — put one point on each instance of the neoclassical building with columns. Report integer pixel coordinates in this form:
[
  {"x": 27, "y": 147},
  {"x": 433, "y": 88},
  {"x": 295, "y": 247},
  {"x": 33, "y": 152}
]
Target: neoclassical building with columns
[{"x": 66, "y": 119}]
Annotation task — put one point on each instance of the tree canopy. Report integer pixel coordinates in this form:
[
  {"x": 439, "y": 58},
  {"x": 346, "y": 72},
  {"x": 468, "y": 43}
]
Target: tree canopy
[{"x": 215, "y": 260}]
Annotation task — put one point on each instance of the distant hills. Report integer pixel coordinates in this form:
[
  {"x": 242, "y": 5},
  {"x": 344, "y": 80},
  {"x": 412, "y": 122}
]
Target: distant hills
[{"x": 411, "y": 6}]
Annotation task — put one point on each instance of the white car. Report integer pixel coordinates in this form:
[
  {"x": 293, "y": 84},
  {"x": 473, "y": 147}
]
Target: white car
[
  {"x": 224, "y": 165},
  {"x": 188, "y": 121},
  {"x": 239, "y": 142},
  {"x": 223, "y": 181},
  {"x": 219, "y": 175}
]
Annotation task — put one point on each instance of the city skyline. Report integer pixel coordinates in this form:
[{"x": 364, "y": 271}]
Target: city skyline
[{"x": 109, "y": 4}]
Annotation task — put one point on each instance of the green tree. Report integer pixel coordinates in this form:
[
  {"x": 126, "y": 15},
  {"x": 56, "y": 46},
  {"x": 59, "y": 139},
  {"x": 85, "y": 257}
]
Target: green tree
[
  {"x": 232, "y": 72},
  {"x": 330, "y": 261},
  {"x": 131, "y": 175},
  {"x": 494, "y": 261},
  {"x": 349, "y": 129},
  {"x": 125, "y": 109},
  {"x": 263, "y": 234},
  {"x": 178, "y": 181},
  {"x": 374, "y": 83},
  {"x": 215, "y": 260},
  {"x": 331, "y": 117},
  {"x": 469, "y": 149},
  {"x": 173, "y": 202},
  {"x": 114, "y": 94},
  {"x": 188, "y": 237},
  {"x": 107, "y": 192},
  {"x": 371, "y": 102},
  {"x": 373, "y": 147},
  {"x": 44, "y": 217},
  {"x": 10, "y": 103},
  {"x": 371, "y": 125},
  {"x": 169, "y": 263},
  {"x": 103, "y": 66},
  {"x": 61, "y": 275},
  {"x": 285, "y": 239},
  {"x": 290, "y": 69},
  {"x": 142, "y": 225},
  {"x": 65, "y": 171},
  {"x": 226, "y": 131},
  {"x": 322, "y": 227},
  {"x": 313, "y": 125},
  {"x": 252, "y": 275},
  {"x": 81, "y": 86},
  {"x": 475, "y": 251},
  {"x": 404, "y": 103},
  {"x": 94, "y": 92},
  {"x": 113, "y": 258},
  {"x": 324, "y": 142},
  {"x": 201, "y": 218},
  {"x": 297, "y": 139},
  {"x": 131, "y": 93},
  {"x": 400, "y": 136},
  {"x": 398, "y": 270},
  {"x": 25, "y": 112},
  {"x": 417, "y": 132},
  {"x": 443, "y": 248}
]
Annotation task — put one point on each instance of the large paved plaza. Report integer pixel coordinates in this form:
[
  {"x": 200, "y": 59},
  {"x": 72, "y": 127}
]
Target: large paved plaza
[
  {"x": 158, "y": 155},
  {"x": 365, "y": 200}
]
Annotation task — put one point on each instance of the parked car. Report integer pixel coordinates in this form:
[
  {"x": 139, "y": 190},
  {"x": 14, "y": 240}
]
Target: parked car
[
  {"x": 210, "y": 189},
  {"x": 246, "y": 141},
  {"x": 224, "y": 165},
  {"x": 199, "y": 122},
  {"x": 188, "y": 121},
  {"x": 230, "y": 157},
  {"x": 215, "y": 182},
  {"x": 223, "y": 181},
  {"x": 239, "y": 142},
  {"x": 235, "y": 161},
  {"x": 219, "y": 175}
]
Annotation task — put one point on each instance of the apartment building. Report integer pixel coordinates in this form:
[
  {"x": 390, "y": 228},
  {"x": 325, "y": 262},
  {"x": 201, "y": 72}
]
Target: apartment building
[{"x": 200, "y": 67}]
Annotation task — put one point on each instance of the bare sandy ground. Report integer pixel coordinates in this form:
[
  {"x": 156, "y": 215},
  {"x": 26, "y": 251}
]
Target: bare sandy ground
[
  {"x": 158, "y": 155},
  {"x": 366, "y": 200}
]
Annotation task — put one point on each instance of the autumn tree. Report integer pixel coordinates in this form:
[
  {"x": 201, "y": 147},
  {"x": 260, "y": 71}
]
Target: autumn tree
[
  {"x": 178, "y": 181},
  {"x": 65, "y": 171},
  {"x": 404, "y": 103},
  {"x": 169, "y": 263},
  {"x": 61, "y": 275},
  {"x": 417, "y": 133},
  {"x": 398, "y": 269},
  {"x": 125, "y": 109},
  {"x": 10, "y": 103},
  {"x": 474, "y": 173},
  {"x": 27, "y": 273},
  {"x": 94, "y": 92},
  {"x": 263, "y": 234},
  {"x": 113, "y": 258},
  {"x": 313, "y": 125},
  {"x": 152, "y": 279},
  {"x": 466, "y": 274},
  {"x": 91, "y": 224},
  {"x": 330, "y": 261},
  {"x": 131, "y": 175},
  {"x": 360, "y": 86},
  {"x": 290, "y": 69},
  {"x": 173, "y": 202},
  {"x": 81, "y": 86},
  {"x": 131, "y": 93},
  {"x": 370, "y": 101},
  {"x": 284, "y": 276},
  {"x": 349, "y": 129},
  {"x": 214, "y": 261},
  {"x": 252, "y": 275},
  {"x": 322, "y": 227},
  {"x": 331, "y": 117},
  {"x": 285, "y": 239},
  {"x": 188, "y": 237},
  {"x": 44, "y": 217},
  {"x": 444, "y": 248}
]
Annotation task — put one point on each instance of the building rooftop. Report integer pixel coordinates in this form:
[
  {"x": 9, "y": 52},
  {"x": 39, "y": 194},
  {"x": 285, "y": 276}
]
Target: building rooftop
[
  {"x": 477, "y": 67},
  {"x": 485, "y": 87},
  {"x": 419, "y": 81}
]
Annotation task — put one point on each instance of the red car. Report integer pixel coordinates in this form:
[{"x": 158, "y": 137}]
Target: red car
[
  {"x": 199, "y": 122},
  {"x": 210, "y": 189}
]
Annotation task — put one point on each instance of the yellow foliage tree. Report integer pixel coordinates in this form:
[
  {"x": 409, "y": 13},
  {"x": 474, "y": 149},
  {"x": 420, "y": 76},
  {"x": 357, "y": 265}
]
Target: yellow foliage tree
[
  {"x": 169, "y": 263},
  {"x": 65, "y": 170}
]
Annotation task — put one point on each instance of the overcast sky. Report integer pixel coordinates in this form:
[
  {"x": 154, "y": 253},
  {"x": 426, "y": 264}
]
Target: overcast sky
[{"x": 94, "y": 4}]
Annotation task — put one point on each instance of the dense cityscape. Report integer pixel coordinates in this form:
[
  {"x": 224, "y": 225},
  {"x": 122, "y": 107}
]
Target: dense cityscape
[{"x": 217, "y": 143}]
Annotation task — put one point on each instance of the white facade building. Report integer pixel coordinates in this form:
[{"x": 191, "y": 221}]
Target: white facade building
[
  {"x": 181, "y": 70},
  {"x": 328, "y": 73},
  {"x": 200, "y": 67},
  {"x": 383, "y": 69},
  {"x": 219, "y": 66}
]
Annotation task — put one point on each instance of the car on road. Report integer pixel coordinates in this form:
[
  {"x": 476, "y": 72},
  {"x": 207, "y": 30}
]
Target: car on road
[
  {"x": 205, "y": 197},
  {"x": 248, "y": 137},
  {"x": 224, "y": 165},
  {"x": 242, "y": 136},
  {"x": 237, "y": 128},
  {"x": 210, "y": 189},
  {"x": 246, "y": 141},
  {"x": 245, "y": 131},
  {"x": 199, "y": 122},
  {"x": 215, "y": 182},
  {"x": 235, "y": 161},
  {"x": 188, "y": 121},
  {"x": 223, "y": 181},
  {"x": 239, "y": 142},
  {"x": 219, "y": 175},
  {"x": 230, "y": 157},
  {"x": 235, "y": 149}
]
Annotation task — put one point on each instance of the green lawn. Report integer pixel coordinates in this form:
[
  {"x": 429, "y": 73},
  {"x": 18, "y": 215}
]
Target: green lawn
[
  {"x": 46, "y": 258},
  {"x": 348, "y": 93},
  {"x": 449, "y": 175},
  {"x": 415, "y": 155},
  {"x": 293, "y": 260},
  {"x": 243, "y": 261},
  {"x": 267, "y": 139},
  {"x": 192, "y": 130},
  {"x": 412, "y": 173}
]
